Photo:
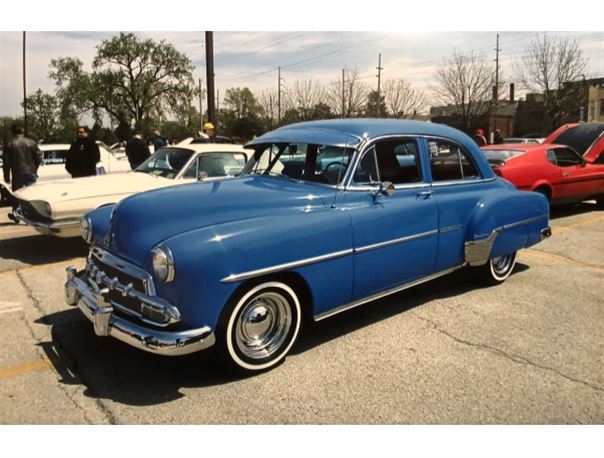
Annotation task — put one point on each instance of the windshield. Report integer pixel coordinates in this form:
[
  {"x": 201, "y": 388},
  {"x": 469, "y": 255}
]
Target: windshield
[
  {"x": 166, "y": 162},
  {"x": 495, "y": 156},
  {"x": 301, "y": 161}
]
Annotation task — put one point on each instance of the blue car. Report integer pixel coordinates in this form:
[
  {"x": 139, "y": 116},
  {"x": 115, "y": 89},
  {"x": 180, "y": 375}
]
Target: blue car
[{"x": 326, "y": 216}]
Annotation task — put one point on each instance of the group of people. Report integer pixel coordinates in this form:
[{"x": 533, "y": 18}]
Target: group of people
[{"x": 481, "y": 140}]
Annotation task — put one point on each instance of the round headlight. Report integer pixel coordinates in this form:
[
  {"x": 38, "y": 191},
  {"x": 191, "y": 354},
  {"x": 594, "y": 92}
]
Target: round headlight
[
  {"x": 163, "y": 264},
  {"x": 86, "y": 228}
]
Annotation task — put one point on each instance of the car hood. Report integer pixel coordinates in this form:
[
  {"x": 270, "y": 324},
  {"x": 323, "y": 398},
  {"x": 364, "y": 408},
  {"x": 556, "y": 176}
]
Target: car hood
[
  {"x": 143, "y": 220},
  {"x": 106, "y": 187}
]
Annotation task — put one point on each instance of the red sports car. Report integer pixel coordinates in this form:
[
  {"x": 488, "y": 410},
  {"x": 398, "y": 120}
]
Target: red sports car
[{"x": 567, "y": 167}]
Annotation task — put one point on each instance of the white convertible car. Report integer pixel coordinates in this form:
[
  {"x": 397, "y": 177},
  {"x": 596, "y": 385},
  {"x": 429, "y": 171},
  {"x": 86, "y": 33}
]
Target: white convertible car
[{"x": 56, "y": 207}]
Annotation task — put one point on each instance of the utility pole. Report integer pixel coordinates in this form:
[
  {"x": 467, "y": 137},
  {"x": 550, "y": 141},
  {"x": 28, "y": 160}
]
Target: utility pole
[
  {"x": 210, "y": 76},
  {"x": 379, "y": 69},
  {"x": 343, "y": 92},
  {"x": 24, "y": 90},
  {"x": 217, "y": 110},
  {"x": 200, "y": 107},
  {"x": 496, "y": 89},
  {"x": 278, "y": 95}
]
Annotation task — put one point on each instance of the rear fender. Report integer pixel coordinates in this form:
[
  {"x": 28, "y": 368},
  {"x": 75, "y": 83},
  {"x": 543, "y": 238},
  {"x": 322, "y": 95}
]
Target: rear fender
[{"x": 503, "y": 223}]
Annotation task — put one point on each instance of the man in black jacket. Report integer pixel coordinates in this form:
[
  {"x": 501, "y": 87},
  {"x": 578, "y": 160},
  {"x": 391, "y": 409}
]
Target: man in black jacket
[
  {"x": 82, "y": 155},
  {"x": 21, "y": 159},
  {"x": 137, "y": 150}
]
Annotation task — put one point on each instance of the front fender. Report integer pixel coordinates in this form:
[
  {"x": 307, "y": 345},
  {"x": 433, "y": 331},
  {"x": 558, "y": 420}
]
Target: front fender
[
  {"x": 100, "y": 219},
  {"x": 503, "y": 223},
  {"x": 211, "y": 262}
]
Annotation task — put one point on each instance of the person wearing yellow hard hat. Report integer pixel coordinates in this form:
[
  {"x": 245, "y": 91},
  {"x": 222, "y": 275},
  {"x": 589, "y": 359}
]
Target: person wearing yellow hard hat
[{"x": 208, "y": 129}]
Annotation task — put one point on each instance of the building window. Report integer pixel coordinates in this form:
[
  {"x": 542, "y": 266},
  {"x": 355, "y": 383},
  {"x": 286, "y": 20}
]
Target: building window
[{"x": 601, "y": 107}]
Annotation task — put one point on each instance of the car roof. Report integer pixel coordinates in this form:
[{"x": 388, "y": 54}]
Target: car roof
[
  {"x": 351, "y": 132},
  {"x": 211, "y": 147}
]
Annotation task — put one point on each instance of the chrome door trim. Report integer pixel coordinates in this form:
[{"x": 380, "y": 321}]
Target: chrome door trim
[
  {"x": 286, "y": 266},
  {"x": 408, "y": 238},
  {"x": 374, "y": 297}
]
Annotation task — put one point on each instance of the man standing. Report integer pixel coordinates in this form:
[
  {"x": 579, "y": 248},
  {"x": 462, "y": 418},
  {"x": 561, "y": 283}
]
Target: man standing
[
  {"x": 208, "y": 129},
  {"x": 82, "y": 155},
  {"x": 21, "y": 159},
  {"x": 479, "y": 137},
  {"x": 159, "y": 141},
  {"x": 136, "y": 150}
]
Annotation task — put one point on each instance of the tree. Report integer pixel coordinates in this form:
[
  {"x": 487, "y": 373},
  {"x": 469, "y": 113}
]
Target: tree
[
  {"x": 350, "y": 94},
  {"x": 268, "y": 104},
  {"x": 304, "y": 96},
  {"x": 47, "y": 120},
  {"x": 548, "y": 66},
  {"x": 466, "y": 82},
  {"x": 376, "y": 107},
  {"x": 401, "y": 100},
  {"x": 131, "y": 79}
]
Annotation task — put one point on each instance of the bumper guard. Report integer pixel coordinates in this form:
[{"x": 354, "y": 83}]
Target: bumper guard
[{"x": 97, "y": 308}]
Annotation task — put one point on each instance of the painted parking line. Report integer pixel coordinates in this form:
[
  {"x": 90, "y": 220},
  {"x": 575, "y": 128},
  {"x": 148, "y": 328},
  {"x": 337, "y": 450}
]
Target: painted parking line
[
  {"x": 25, "y": 368},
  {"x": 559, "y": 229},
  {"x": 557, "y": 259}
]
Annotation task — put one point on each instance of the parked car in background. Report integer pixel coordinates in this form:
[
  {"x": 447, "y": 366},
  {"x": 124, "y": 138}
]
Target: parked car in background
[
  {"x": 53, "y": 165},
  {"x": 326, "y": 216},
  {"x": 564, "y": 173},
  {"x": 522, "y": 140},
  {"x": 587, "y": 138},
  {"x": 56, "y": 207}
]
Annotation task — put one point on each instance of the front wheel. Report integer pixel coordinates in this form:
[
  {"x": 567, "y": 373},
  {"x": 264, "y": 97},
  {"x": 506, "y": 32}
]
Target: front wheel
[
  {"x": 497, "y": 269},
  {"x": 259, "y": 327}
]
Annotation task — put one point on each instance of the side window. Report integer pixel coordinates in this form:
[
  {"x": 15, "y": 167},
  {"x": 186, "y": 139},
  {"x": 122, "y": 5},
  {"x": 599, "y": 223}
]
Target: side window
[
  {"x": 566, "y": 157},
  {"x": 551, "y": 156},
  {"x": 448, "y": 161},
  {"x": 366, "y": 171},
  {"x": 397, "y": 162}
]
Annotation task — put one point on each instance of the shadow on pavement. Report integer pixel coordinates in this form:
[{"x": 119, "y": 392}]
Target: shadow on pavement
[
  {"x": 563, "y": 211},
  {"x": 113, "y": 370},
  {"x": 42, "y": 249}
]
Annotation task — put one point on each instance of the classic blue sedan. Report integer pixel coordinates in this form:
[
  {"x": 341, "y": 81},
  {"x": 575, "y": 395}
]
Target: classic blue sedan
[{"x": 326, "y": 216}]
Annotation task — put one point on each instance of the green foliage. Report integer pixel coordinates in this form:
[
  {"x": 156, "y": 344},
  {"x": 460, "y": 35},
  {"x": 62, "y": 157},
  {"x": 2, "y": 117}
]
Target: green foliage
[
  {"x": 376, "y": 106},
  {"x": 47, "y": 119}
]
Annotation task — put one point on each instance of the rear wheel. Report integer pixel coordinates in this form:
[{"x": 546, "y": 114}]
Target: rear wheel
[
  {"x": 259, "y": 327},
  {"x": 546, "y": 191},
  {"x": 498, "y": 269}
]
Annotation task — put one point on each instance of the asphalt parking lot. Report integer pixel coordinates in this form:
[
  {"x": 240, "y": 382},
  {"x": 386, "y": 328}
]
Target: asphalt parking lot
[{"x": 529, "y": 351}]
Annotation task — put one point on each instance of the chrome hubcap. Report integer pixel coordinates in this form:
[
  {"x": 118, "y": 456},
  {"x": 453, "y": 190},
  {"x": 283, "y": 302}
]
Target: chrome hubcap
[
  {"x": 502, "y": 264},
  {"x": 263, "y": 325}
]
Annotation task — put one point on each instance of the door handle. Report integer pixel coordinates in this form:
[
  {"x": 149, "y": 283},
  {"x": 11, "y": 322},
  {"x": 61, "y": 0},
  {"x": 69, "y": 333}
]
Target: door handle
[
  {"x": 565, "y": 174},
  {"x": 424, "y": 194}
]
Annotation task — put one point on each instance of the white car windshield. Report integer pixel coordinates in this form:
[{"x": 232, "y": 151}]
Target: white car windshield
[
  {"x": 166, "y": 162},
  {"x": 301, "y": 161}
]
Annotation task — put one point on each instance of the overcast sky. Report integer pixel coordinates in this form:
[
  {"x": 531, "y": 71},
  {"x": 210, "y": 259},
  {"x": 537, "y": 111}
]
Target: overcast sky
[{"x": 251, "y": 59}]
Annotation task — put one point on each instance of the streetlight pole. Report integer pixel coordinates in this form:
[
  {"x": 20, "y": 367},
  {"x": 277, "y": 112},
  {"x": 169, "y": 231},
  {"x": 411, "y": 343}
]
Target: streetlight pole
[{"x": 24, "y": 90}]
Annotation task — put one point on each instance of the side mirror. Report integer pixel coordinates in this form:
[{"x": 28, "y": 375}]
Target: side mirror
[
  {"x": 202, "y": 175},
  {"x": 386, "y": 188}
]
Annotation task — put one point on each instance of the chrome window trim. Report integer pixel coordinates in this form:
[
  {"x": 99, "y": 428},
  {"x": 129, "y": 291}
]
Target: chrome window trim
[
  {"x": 354, "y": 187},
  {"x": 376, "y": 296},
  {"x": 440, "y": 184},
  {"x": 463, "y": 148}
]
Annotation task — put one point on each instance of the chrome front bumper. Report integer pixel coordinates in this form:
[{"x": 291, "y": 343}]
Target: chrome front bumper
[
  {"x": 65, "y": 228},
  {"x": 98, "y": 309}
]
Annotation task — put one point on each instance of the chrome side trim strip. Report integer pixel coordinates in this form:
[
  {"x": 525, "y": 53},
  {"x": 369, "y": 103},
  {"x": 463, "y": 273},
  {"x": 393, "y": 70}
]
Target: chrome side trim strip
[
  {"x": 444, "y": 230},
  {"x": 521, "y": 223},
  {"x": 374, "y": 297},
  {"x": 288, "y": 265},
  {"x": 408, "y": 238}
]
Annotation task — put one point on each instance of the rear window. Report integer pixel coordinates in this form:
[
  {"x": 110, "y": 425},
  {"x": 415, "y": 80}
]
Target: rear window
[
  {"x": 499, "y": 156},
  {"x": 580, "y": 137}
]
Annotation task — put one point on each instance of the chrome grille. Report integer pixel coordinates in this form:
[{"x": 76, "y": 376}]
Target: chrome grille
[{"x": 130, "y": 289}]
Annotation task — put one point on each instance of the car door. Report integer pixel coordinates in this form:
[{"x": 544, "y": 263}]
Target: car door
[
  {"x": 577, "y": 178},
  {"x": 457, "y": 188},
  {"x": 395, "y": 236}
]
